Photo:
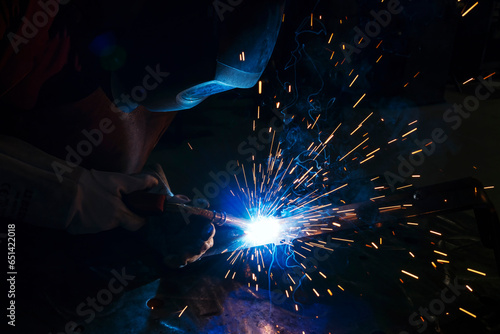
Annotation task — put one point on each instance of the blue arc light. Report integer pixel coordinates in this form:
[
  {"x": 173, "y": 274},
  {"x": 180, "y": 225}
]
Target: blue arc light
[{"x": 263, "y": 230}]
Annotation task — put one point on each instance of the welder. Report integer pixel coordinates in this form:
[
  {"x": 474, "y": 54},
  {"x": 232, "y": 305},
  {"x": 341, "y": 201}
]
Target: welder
[{"x": 87, "y": 88}]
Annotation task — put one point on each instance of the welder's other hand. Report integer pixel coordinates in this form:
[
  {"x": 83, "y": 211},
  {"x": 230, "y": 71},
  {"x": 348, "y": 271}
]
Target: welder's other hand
[
  {"x": 179, "y": 239},
  {"x": 98, "y": 204}
]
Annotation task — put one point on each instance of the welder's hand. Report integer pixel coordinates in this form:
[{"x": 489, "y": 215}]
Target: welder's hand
[
  {"x": 179, "y": 239},
  {"x": 98, "y": 205}
]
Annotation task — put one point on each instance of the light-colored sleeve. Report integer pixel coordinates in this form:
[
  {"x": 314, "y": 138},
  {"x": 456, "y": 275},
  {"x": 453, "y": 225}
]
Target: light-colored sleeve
[{"x": 30, "y": 189}]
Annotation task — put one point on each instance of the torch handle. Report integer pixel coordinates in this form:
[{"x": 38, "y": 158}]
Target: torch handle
[
  {"x": 191, "y": 210},
  {"x": 218, "y": 218},
  {"x": 144, "y": 203},
  {"x": 148, "y": 204}
]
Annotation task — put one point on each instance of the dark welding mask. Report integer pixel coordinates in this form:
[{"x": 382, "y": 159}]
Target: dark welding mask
[{"x": 180, "y": 53}]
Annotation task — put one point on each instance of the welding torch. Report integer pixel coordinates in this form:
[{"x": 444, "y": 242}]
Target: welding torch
[
  {"x": 149, "y": 204},
  {"x": 452, "y": 196}
]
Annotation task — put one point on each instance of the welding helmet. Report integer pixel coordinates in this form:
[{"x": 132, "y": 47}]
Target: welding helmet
[{"x": 196, "y": 48}]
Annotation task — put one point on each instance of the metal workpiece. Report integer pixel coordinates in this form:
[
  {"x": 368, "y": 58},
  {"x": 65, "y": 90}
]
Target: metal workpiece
[{"x": 448, "y": 197}]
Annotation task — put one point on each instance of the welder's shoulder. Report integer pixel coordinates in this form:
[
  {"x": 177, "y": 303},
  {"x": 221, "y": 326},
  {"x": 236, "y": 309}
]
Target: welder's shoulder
[{"x": 30, "y": 52}]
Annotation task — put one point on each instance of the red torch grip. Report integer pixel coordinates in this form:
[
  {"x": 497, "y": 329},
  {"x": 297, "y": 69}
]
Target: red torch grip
[{"x": 144, "y": 203}]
